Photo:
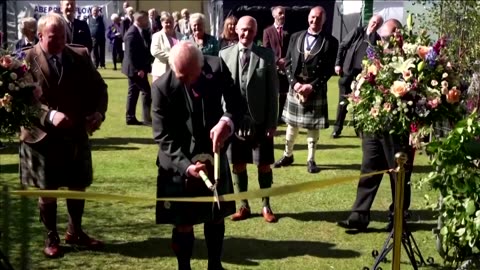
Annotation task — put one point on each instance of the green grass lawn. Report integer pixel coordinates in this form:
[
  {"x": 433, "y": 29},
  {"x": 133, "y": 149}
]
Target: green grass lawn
[{"x": 306, "y": 236}]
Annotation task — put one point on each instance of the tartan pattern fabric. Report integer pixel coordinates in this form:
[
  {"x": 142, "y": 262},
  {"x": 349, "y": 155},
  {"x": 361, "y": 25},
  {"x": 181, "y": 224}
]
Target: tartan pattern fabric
[
  {"x": 191, "y": 213},
  {"x": 53, "y": 163},
  {"x": 313, "y": 114}
]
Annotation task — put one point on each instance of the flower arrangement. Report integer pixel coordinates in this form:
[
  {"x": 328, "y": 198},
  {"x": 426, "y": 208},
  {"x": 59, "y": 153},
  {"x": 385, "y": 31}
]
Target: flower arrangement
[
  {"x": 407, "y": 84},
  {"x": 18, "y": 93}
]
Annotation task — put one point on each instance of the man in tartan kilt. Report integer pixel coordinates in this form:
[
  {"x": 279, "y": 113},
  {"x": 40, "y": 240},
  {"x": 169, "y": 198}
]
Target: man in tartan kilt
[{"x": 309, "y": 65}]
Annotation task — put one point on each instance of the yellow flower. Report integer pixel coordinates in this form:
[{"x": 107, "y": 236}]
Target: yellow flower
[{"x": 373, "y": 69}]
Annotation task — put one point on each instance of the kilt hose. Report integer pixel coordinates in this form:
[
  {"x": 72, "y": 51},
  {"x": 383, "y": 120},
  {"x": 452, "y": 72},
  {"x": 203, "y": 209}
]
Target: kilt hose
[{"x": 313, "y": 114}]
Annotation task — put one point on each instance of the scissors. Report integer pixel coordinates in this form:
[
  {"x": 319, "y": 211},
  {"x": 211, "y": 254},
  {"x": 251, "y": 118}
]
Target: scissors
[{"x": 206, "y": 180}]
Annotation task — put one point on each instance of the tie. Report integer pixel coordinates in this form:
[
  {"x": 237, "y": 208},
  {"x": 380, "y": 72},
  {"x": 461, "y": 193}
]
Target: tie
[
  {"x": 280, "y": 34},
  {"x": 57, "y": 66},
  {"x": 245, "y": 59},
  {"x": 312, "y": 35}
]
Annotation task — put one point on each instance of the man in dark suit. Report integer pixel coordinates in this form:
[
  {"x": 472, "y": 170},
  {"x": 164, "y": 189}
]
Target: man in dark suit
[
  {"x": 55, "y": 152},
  {"x": 96, "y": 25},
  {"x": 253, "y": 69},
  {"x": 127, "y": 21},
  {"x": 190, "y": 124},
  {"x": 309, "y": 65},
  {"x": 28, "y": 29},
  {"x": 154, "y": 23},
  {"x": 77, "y": 31},
  {"x": 348, "y": 64},
  {"x": 276, "y": 38},
  {"x": 137, "y": 63},
  {"x": 378, "y": 151}
]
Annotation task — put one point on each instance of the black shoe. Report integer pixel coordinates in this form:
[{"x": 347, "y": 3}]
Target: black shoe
[
  {"x": 134, "y": 122},
  {"x": 389, "y": 227},
  {"x": 283, "y": 162},
  {"x": 353, "y": 224},
  {"x": 2, "y": 146},
  {"x": 114, "y": 68},
  {"x": 336, "y": 134},
  {"x": 312, "y": 167}
]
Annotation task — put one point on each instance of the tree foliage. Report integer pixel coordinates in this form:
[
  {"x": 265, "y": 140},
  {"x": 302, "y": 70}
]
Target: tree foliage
[{"x": 459, "y": 22}]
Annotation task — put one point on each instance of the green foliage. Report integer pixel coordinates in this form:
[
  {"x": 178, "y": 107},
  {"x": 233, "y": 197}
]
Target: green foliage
[
  {"x": 457, "y": 178},
  {"x": 459, "y": 21}
]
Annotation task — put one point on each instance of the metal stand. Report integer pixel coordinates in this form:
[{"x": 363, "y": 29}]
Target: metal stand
[{"x": 400, "y": 235}]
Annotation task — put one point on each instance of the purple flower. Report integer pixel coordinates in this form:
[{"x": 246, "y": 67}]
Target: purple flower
[
  {"x": 20, "y": 55},
  {"x": 371, "y": 54},
  {"x": 431, "y": 57}
]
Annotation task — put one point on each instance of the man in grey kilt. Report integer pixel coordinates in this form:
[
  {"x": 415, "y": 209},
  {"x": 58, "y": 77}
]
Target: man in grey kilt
[{"x": 310, "y": 63}]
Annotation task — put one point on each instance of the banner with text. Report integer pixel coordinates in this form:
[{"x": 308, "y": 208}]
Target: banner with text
[{"x": 82, "y": 11}]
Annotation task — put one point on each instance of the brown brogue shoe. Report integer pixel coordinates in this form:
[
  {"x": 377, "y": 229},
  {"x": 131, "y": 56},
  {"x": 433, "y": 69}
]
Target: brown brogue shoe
[
  {"x": 268, "y": 215},
  {"x": 242, "y": 214},
  {"x": 52, "y": 246},
  {"x": 83, "y": 240}
]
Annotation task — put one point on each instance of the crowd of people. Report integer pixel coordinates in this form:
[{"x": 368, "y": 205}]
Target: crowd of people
[{"x": 207, "y": 97}]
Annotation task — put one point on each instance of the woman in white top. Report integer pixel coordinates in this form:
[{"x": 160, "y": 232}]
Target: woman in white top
[{"x": 162, "y": 42}]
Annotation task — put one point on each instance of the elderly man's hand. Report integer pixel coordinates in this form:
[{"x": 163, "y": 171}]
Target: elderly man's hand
[{"x": 219, "y": 134}]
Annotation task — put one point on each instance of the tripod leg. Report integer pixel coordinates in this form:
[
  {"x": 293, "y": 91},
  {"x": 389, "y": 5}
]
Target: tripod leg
[
  {"x": 415, "y": 248},
  {"x": 409, "y": 250},
  {"x": 383, "y": 253}
]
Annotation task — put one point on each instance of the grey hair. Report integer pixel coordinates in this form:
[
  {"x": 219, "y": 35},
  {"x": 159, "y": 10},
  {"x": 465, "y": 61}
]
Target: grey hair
[
  {"x": 24, "y": 21},
  {"x": 324, "y": 13},
  {"x": 50, "y": 18},
  {"x": 114, "y": 17},
  {"x": 185, "y": 48},
  {"x": 277, "y": 7},
  {"x": 165, "y": 16},
  {"x": 197, "y": 17},
  {"x": 176, "y": 15}
]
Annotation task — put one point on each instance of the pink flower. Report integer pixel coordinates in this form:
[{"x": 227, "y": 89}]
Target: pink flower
[
  {"x": 387, "y": 107},
  {"x": 374, "y": 111},
  {"x": 433, "y": 103},
  {"x": 6, "y": 61},
  {"x": 407, "y": 75},
  {"x": 399, "y": 88}
]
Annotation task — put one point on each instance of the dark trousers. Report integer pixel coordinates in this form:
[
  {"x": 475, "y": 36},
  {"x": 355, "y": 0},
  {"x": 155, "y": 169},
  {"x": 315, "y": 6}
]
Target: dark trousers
[
  {"x": 137, "y": 85},
  {"x": 117, "y": 55},
  {"x": 379, "y": 154},
  {"x": 98, "y": 52},
  {"x": 344, "y": 89}
]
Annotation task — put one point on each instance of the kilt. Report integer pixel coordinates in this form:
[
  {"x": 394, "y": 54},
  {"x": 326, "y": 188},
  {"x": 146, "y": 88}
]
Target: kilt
[
  {"x": 312, "y": 114},
  {"x": 258, "y": 150},
  {"x": 54, "y": 162},
  {"x": 191, "y": 213}
]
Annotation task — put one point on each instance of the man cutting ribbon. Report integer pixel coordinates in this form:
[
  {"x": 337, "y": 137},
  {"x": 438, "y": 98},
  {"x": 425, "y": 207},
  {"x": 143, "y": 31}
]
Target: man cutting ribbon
[{"x": 189, "y": 120}]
